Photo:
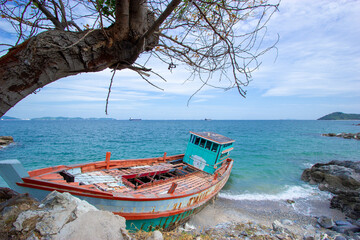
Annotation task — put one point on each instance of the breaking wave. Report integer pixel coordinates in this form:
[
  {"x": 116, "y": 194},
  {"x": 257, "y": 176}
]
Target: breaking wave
[{"x": 290, "y": 192}]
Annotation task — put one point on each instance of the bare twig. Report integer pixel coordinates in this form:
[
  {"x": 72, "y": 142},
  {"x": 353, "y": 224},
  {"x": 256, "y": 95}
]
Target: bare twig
[
  {"x": 51, "y": 17},
  {"x": 108, "y": 95}
]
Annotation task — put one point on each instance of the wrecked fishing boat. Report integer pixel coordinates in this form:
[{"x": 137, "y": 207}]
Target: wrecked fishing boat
[{"x": 150, "y": 193}]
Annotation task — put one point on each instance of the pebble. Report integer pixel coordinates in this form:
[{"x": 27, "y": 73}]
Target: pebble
[
  {"x": 326, "y": 222},
  {"x": 309, "y": 227},
  {"x": 277, "y": 227},
  {"x": 156, "y": 235},
  {"x": 342, "y": 223},
  {"x": 340, "y": 238},
  {"x": 290, "y": 201},
  {"x": 287, "y": 222},
  {"x": 308, "y": 236},
  {"x": 244, "y": 233}
]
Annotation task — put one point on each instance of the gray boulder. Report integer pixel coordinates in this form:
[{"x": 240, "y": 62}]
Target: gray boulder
[
  {"x": 326, "y": 222},
  {"x": 63, "y": 216},
  {"x": 341, "y": 178},
  {"x": 66, "y": 202},
  {"x": 95, "y": 225}
]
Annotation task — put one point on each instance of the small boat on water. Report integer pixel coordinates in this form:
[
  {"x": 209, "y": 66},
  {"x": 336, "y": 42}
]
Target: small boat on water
[{"x": 150, "y": 193}]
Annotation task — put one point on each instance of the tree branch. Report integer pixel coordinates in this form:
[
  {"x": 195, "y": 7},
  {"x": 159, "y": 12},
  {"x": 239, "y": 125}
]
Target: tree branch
[
  {"x": 122, "y": 25},
  {"x": 169, "y": 9},
  {"x": 51, "y": 17}
]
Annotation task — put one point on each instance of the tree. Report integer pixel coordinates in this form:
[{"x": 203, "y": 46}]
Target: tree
[{"x": 60, "y": 38}]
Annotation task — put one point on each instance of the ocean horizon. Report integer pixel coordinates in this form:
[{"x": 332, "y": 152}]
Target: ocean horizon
[{"x": 269, "y": 155}]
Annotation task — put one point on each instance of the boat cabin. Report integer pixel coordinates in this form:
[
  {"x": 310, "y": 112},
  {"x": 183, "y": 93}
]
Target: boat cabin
[{"x": 207, "y": 150}]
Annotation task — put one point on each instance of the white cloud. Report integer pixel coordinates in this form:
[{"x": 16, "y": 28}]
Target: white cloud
[
  {"x": 318, "y": 50},
  {"x": 318, "y": 58}
]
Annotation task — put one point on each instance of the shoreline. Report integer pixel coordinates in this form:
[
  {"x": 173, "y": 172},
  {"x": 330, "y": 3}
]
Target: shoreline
[
  {"x": 294, "y": 216},
  {"x": 220, "y": 219}
]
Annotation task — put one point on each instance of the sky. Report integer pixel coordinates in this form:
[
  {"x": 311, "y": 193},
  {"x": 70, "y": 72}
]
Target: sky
[{"x": 315, "y": 71}]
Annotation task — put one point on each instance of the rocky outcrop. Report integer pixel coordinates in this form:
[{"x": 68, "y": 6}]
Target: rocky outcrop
[
  {"x": 58, "y": 216},
  {"x": 343, "y": 135},
  {"x": 62, "y": 216},
  {"x": 5, "y": 140},
  {"x": 343, "y": 227},
  {"x": 342, "y": 178}
]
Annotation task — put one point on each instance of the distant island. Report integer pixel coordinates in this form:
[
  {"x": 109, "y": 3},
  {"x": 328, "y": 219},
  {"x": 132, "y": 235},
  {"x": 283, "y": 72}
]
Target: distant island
[
  {"x": 70, "y": 118},
  {"x": 9, "y": 118},
  {"x": 56, "y": 118},
  {"x": 340, "y": 116}
]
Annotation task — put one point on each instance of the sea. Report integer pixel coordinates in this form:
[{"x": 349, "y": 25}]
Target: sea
[{"x": 269, "y": 155}]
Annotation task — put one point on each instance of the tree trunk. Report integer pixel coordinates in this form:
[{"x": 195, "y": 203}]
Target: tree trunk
[{"x": 55, "y": 54}]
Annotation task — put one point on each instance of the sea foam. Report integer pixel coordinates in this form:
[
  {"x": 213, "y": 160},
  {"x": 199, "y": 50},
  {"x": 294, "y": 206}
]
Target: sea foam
[{"x": 289, "y": 192}]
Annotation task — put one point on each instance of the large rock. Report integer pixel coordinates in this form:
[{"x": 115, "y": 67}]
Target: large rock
[
  {"x": 66, "y": 202},
  {"x": 54, "y": 212},
  {"x": 95, "y": 225},
  {"x": 341, "y": 178},
  {"x": 343, "y": 135},
  {"x": 5, "y": 140},
  {"x": 59, "y": 216}
]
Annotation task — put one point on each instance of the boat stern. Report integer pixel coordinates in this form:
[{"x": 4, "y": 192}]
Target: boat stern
[{"x": 12, "y": 171}]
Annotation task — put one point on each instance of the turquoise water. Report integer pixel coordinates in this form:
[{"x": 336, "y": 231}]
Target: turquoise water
[{"x": 269, "y": 155}]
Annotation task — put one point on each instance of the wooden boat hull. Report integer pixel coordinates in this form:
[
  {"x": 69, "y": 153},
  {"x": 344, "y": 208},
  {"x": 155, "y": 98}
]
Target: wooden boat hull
[{"x": 150, "y": 212}]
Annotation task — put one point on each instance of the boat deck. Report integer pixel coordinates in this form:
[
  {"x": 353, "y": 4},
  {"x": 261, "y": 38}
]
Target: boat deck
[{"x": 142, "y": 178}]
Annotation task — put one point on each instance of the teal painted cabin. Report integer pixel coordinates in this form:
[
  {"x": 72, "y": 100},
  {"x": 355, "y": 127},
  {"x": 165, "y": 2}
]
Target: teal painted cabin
[{"x": 207, "y": 150}]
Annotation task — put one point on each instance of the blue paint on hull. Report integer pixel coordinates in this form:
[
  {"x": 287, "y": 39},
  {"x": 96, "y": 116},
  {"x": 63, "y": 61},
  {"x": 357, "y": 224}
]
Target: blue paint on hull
[{"x": 162, "y": 223}]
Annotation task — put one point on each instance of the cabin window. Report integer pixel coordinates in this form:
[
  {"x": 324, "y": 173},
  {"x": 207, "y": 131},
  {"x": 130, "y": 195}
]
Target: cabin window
[
  {"x": 202, "y": 143},
  {"x": 224, "y": 154},
  {"x": 208, "y": 145},
  {"x": 214, "y": 147},
  {"x": 192, "y": 137},
  {"x": 197, "y": 140},
  {"x": 227, "y": 145}
]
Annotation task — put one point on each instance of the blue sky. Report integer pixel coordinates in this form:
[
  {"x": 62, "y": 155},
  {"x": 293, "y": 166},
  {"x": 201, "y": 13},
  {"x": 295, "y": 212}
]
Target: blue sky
[{"x": 316, "y": 72}]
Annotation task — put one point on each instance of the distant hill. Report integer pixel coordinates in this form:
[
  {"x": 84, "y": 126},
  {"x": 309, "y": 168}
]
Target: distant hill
[
  {"x": 56, "y": 118},
  {"x": 340, "y": 116},
  {"x": 99, "y": 118},
  {"x": 9, "y": 118},
  {"x": 70, "y": 118}
]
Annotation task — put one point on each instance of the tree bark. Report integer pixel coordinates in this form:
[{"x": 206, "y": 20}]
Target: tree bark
[{"x": 55, "y": 54}]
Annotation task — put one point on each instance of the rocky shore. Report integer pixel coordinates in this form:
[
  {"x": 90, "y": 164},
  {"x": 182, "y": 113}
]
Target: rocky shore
[
  {"x": 343, "y": 135},
  {"x": 341, "y": 178},
  {"x": 5, "y": 140},
  {"x": 62, "y": 216}
]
